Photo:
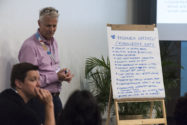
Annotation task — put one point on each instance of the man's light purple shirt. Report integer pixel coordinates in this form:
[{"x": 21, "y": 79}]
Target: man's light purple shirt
[{"x": 33, "y": 52}]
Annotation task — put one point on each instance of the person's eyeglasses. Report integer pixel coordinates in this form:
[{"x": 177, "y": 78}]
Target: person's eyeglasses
[{"x": 49, "y": 11}]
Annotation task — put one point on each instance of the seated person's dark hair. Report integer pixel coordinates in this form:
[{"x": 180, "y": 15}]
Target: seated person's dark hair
[
  {"x": 80, "y": 109},
  {"x": 181, "y": 111},
  {"x": 19, "y": 71}
]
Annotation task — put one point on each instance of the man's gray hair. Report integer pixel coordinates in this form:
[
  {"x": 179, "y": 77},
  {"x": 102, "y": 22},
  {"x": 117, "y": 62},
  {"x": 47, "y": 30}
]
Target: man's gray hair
[{"x": 48, "y": 11}]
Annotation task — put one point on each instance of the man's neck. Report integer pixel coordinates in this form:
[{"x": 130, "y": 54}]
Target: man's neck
[
  {"x": 47, "y": 39},
  {"x": 23, "y": 96}
]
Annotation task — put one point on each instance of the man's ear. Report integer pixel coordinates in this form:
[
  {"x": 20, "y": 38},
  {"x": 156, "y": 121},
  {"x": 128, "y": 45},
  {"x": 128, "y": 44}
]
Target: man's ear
[
  {"x": 18, "y": 84},
  {"x": 39, "y": 23}
]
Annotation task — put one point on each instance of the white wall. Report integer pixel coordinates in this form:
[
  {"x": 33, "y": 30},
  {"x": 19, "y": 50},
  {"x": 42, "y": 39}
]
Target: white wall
[{"x": 81, "y": 32}]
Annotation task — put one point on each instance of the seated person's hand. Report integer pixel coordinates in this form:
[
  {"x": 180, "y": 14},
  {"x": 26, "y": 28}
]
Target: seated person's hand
[{"x": 45, "y": 96}]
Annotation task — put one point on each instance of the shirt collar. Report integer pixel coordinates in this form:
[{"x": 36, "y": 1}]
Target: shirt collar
[{"x": 40, "y": 38}]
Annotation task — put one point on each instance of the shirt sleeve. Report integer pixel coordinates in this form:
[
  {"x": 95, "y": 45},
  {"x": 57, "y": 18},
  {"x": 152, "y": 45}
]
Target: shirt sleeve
[
  {"x": 28, "y": 54},
  {"x": 47, "y": 78}
]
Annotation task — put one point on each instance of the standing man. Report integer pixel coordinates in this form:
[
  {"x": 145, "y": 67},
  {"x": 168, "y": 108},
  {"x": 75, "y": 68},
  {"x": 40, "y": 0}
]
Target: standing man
[
  {"x": 41, "y": 49},
  {"x": 25, "y": 80}
]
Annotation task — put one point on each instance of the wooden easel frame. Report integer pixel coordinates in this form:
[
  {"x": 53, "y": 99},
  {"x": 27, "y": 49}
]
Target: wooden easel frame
[
  {"x": 151, "y": 100},
  {"x": 146, "y": 121},
  {"x": 141, "y": 121}
]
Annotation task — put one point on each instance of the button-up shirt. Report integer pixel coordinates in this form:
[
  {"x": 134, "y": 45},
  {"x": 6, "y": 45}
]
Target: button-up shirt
[{"x": 44, "y": 54}]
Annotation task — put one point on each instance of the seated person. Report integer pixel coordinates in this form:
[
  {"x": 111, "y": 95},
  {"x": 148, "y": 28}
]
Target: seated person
[
  {"x": 181, "y": 111},
  {"x": 80, "y": 109},
  {"x": 25, "y": 86}
]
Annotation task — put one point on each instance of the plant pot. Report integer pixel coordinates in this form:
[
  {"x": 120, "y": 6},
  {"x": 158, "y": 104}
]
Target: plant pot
[{"x": 125, "y": 117}]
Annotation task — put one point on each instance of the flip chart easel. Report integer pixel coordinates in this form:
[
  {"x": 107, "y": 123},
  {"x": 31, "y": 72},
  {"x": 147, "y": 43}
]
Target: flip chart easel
[{"x": 135, "y": 70}]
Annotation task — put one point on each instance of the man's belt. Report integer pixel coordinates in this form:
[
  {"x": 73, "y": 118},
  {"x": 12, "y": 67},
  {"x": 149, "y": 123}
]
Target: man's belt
[{"x": 55, "y": 93}]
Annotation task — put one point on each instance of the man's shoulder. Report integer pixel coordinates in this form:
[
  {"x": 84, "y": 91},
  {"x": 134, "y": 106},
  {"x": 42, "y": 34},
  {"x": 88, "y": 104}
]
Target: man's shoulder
[
  {"x": 5, "y": 93},
  {"x": 10, "y": 98},
  {"x": 9, "y": 102},
  {"x": 13, "y": 108},
  {"x": 30, "y": 41}
]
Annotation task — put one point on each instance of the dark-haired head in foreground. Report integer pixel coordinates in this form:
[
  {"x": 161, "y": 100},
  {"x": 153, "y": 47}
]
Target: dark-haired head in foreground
[
  {"x": 80, "y": 109},
  {"x": 19, "y": 72},
  {"x": 181, "y": 111},
  {"x": 25, "y": 81}
]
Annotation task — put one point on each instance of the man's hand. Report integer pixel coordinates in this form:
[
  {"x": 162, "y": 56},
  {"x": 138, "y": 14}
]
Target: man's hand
[{"x": 65, "y": 75}]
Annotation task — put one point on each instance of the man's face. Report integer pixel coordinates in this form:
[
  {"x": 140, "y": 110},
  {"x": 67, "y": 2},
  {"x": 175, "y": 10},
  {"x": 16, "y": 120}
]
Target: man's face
[
  {"x": 31, "y": 81},
  {"x": 47, "y": 26}
]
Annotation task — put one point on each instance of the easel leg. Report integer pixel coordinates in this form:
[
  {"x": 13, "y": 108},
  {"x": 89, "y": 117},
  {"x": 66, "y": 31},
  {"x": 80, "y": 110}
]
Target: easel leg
[
  {"x": 164, "y": 111},
  {"x": 117, "y": 114},
  {"x": 109, "y": 106}
]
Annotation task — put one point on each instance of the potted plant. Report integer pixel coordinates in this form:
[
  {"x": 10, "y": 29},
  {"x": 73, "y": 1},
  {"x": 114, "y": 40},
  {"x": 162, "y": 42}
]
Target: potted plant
[
  {"x": 97, "y": 71},
  {"x": 132, "y": 110}
]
